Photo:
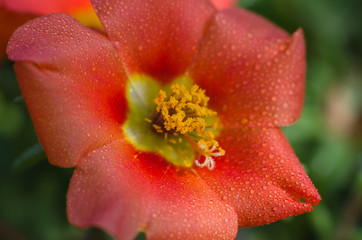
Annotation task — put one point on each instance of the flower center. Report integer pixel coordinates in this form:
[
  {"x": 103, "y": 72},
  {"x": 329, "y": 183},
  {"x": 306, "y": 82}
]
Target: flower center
[
  {"x": 172, "y": 121},
  {"x": 184, "y": 113}
]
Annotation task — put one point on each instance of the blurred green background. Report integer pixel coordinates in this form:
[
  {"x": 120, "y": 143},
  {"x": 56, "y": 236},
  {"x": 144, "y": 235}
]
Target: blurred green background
[{"x": 327, "y": 139}]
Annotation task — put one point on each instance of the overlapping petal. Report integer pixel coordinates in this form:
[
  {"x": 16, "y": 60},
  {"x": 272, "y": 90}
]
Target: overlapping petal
[
  {"x": 254, "y": 67},
  {"x": 73, "y": 84},
  {"x": 158, "y": 38},
  {"x": 124, "y": 191},
  {"x": 260, "y": 176},
  {"x": 40, "y": 7}
]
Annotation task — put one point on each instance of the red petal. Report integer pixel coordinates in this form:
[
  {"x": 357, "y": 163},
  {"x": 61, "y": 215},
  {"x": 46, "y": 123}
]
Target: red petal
[
  {"x": 123, "y": 191},
  {"x": 220, "y": 4},
  {"x": 45, "y": 6},
  {"x": 254, "y": 67},
  {"x": 73, "y": 85},
  {"x": 157, "y": 37},
  {"x": 260, "y": 177}
]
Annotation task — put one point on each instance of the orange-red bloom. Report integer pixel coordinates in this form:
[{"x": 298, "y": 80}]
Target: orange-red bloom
[{"x": 75, "y": 82}]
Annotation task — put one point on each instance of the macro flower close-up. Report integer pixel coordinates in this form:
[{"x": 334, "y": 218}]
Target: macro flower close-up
[{"x": 170, "y": 115}]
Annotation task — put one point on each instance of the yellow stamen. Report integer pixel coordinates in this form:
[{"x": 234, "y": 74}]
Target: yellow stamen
[
  {"x": 183, "y": 113},
  {"x": 155, "y": 126},
  {"x": 172, "y": 141}
]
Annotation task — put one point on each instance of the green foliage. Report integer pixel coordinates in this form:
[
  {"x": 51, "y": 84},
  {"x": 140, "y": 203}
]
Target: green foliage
[{"x": 31, "y": 156}]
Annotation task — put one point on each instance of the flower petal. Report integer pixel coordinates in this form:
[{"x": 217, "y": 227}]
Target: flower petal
[
  {"x": 256, "y": 68},
  {"x": 260, "y": 177},
  {"x": 123, "y": 191},
  {"x": 158, "y": 37},
  {"x": 12, "y": 20},
  {"x": 45, "y": 6},
  {"x": 220, "y": 4},
  {"x": 72, "y": 83}
]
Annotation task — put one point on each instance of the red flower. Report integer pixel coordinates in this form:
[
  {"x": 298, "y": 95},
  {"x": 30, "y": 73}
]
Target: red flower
[{"x": 84, "y": 91}]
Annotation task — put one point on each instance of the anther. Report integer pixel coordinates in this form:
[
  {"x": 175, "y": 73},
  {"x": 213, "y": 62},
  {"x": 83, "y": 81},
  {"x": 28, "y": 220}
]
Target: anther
[{"x": 183, "y": 113}]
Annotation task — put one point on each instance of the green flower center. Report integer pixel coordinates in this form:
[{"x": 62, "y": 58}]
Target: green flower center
[{"x": 172, "y": 121}]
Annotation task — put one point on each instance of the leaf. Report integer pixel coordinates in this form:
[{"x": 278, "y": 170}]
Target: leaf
[
  {"x": 140, "y": 236},
  {"x": 19, "y": 100},
  {"x": 28, "y": 158}
]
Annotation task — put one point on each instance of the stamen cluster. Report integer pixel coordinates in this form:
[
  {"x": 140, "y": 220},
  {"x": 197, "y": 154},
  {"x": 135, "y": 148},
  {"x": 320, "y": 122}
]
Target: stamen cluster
[{"x": 184, "y": 113}]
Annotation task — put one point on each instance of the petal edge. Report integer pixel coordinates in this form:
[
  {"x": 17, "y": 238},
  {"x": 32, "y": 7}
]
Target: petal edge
[{"x": 73, "y": 85}]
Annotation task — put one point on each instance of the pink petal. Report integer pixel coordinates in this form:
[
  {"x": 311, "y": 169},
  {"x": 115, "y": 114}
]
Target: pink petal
[
  {"x": 254, "y": 67},
  {"x": 12, "y": 20},
  {"x": 123, "y": 192},
  {"x": 157, "y": 37},
  {"x": 260, "y": 176},
  {"x": 72, "y": 83}
]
